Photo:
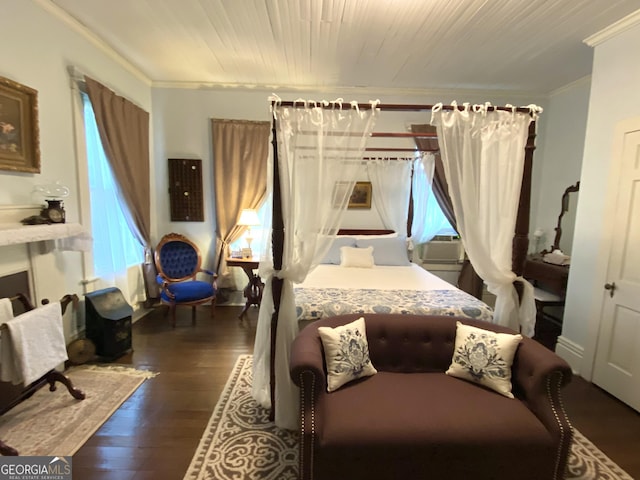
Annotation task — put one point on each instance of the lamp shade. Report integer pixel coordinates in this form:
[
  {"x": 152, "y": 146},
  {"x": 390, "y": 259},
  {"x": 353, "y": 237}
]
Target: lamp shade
[{"x": 248, "y": 218}]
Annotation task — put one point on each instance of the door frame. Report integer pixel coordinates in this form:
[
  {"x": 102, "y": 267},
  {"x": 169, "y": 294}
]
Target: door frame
[{"x": 621, "y": 127}]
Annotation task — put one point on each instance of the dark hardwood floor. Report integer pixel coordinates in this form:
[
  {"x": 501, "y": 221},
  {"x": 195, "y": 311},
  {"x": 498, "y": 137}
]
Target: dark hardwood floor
[{"x": 154, "y": 434}]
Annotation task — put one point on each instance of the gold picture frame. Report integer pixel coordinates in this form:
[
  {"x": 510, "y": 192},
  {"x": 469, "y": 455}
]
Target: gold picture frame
[
  {"x": 19, "y": 133},
  {"x": 360, "y": 196}
]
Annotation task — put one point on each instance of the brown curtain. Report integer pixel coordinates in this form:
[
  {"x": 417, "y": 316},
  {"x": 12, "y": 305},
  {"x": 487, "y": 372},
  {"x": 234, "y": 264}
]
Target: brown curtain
[
  {"x": 124, "y": 132},
  {"x": 240, "y": 152},
  {"x": 468, "y": 280}
]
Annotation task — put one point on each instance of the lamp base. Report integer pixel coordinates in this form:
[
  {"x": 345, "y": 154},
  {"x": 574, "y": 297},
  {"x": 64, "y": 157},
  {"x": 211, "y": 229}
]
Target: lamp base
[{"x": 247, "y": 253}]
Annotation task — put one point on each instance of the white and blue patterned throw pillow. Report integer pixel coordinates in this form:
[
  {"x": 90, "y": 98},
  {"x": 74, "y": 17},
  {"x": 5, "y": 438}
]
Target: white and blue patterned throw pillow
[
  {"x": 346, "y": 353},
  {"x": 484, "y": 357}
]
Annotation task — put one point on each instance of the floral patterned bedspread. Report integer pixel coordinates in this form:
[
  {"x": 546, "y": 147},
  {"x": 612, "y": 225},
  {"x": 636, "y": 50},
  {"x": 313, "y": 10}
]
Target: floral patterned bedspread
[{"x": 316, "y": 303}]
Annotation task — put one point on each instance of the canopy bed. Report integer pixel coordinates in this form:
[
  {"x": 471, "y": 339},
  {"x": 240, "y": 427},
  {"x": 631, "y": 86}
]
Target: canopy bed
[{"x": 317, "y": 146}]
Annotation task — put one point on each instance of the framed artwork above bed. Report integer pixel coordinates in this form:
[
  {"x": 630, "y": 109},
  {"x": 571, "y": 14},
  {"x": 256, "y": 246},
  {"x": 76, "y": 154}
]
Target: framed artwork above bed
[{"x": 360, "y": 196}]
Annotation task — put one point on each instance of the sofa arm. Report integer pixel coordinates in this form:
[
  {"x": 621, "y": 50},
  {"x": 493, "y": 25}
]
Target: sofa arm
[
  {"x": 538, "y": 376},
  {"x": 307, "y": 355},
  {"x": 307, "y": 371}
]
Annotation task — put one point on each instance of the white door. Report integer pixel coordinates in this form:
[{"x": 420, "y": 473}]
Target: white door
[{"x": 617, "y": 367}]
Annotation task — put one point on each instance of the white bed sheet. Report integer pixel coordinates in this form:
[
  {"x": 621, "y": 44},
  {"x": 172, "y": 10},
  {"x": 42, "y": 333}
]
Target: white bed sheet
[
  {"x": 332, "y": 290},
  {"x": 378, "y": 277}
]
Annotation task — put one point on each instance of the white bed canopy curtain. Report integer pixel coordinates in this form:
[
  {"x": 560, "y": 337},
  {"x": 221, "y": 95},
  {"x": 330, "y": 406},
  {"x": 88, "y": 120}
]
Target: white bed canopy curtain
[
  {"x": 483, "y": 152},
  {"x": 315, "y": 143},
  {"x": 391, "y": 191}
]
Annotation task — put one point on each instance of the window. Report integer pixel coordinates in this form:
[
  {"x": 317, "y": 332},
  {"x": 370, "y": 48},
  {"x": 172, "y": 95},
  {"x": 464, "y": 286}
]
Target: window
[
  {"x": 436, "y": 220},
  {"x": 115, "y": 247}
]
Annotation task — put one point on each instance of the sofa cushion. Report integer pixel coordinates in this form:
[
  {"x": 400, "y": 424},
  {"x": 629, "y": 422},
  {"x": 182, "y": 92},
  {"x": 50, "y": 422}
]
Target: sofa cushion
[
  {"x": 346, "y": 353},
  {"x": 484, "y": 357},
  {"x": 472, "y": 425}
]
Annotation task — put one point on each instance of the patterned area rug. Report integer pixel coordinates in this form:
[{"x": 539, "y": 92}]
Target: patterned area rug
[
  {"x": 240, "y": 442},
  {"x": 54, "y": 423}
]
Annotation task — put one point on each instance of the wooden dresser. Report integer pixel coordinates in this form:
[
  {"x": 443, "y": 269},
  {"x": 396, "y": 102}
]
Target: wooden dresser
[
  {"x": 547, "y": 276},
  {"x": 550, "y": 288}
]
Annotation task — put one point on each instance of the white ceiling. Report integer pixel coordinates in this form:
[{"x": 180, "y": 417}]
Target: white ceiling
[{"x": 520, "y": 45}]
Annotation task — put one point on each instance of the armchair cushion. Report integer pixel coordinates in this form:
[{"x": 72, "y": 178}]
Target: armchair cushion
[
  {"x": 346, "y": 353},
  {"x": 189, "y": 291},
  {"x": 484, "y": 357},
  {"x": 179, "y": 259}
]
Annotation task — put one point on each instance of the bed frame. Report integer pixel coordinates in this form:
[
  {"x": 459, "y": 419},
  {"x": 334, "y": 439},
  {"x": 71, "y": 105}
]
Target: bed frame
[
  {"x": 521, "y": 236},
  {"x": 364, "y": 231}
]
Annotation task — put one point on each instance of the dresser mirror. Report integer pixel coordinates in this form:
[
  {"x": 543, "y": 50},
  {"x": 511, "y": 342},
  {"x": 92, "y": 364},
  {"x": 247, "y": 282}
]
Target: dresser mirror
[{"x": 566, "y": 220}]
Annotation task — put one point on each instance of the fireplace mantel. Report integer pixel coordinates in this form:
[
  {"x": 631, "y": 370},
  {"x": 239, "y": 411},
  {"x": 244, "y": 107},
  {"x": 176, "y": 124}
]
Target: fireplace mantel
[{"x": 12, "y": 234}]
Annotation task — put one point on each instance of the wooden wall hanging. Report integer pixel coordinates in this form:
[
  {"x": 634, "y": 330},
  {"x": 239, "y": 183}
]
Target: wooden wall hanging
[{"x": 185, "y": 190}]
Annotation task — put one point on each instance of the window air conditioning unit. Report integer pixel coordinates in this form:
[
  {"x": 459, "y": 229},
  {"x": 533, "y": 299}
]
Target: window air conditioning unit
[{"x": 443, "y": 249}]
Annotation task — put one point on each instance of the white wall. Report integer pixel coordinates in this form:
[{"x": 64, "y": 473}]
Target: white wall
[
  {"x": 36, "y": 51},
  {"x": 614, "y": 97},
  {"x": 182, "y": 129},
  {"x": 562, "y": 151}
]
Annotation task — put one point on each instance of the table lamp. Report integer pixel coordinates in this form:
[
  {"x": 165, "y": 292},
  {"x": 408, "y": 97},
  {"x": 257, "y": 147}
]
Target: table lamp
[{"x": 248, "y": 218}]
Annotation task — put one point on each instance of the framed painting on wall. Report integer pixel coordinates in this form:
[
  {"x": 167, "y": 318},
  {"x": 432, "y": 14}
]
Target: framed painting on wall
[
  {"x": 360, "y": 196},
  {"x": 19, "y": 134}
]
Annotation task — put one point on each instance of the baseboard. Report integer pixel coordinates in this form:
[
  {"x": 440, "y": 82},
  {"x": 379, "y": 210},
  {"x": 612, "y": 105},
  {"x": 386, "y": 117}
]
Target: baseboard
[
  {"x": 571, "y": 352},
  {"x": 234, "y": 298}
]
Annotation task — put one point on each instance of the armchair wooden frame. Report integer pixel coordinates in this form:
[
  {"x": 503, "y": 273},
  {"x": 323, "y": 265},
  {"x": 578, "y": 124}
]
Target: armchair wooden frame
[{"x": 166, "y": 281}]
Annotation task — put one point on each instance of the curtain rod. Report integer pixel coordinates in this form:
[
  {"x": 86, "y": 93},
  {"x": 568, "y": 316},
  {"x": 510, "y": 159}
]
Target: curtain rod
[
  {"x": 398, "y": 107},
  {"x": 388, "y": 158},
  {"x": 369, "y": 149},
  {"x": 374, "y": 134}
]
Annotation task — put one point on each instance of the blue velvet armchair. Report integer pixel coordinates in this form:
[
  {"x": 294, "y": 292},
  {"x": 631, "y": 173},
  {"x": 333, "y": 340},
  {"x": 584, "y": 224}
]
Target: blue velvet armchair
[{"x": 178, "y": 261}]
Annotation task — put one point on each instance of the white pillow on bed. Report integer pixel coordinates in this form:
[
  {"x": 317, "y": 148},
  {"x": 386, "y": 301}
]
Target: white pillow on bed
[
  {"x": 356, "y": 257},
  {"x": 332, "y": 257},
  {"x": 387, "y": 251}
]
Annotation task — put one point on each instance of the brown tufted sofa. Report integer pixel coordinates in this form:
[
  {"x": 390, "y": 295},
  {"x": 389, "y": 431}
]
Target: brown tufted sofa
[{"x": 411, "y": 421}]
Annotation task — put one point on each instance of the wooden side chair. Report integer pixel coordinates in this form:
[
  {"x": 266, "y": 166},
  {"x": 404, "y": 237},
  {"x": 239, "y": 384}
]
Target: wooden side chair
[{"x": 178, "y": 261}]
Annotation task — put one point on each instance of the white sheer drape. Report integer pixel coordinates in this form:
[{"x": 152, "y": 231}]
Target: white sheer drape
[
  {"x": 316, "y": 182},
  {"x": 391, "y": 191},
  {"x": 483, "y": 156},
  {"x": 427, "y": 218}
]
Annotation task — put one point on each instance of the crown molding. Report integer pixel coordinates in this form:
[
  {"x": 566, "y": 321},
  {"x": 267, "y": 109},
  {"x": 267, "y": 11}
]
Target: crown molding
[
  {"x": 614, "y": 29},
  {"x": 79, "y": 28},
  {"x": 377, "y": 91},
  {"x": 586, "y": 80}
]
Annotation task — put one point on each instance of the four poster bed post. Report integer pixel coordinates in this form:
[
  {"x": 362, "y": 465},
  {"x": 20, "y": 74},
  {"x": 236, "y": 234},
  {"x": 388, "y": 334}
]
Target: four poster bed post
[{"x": 520, "y": 240}]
